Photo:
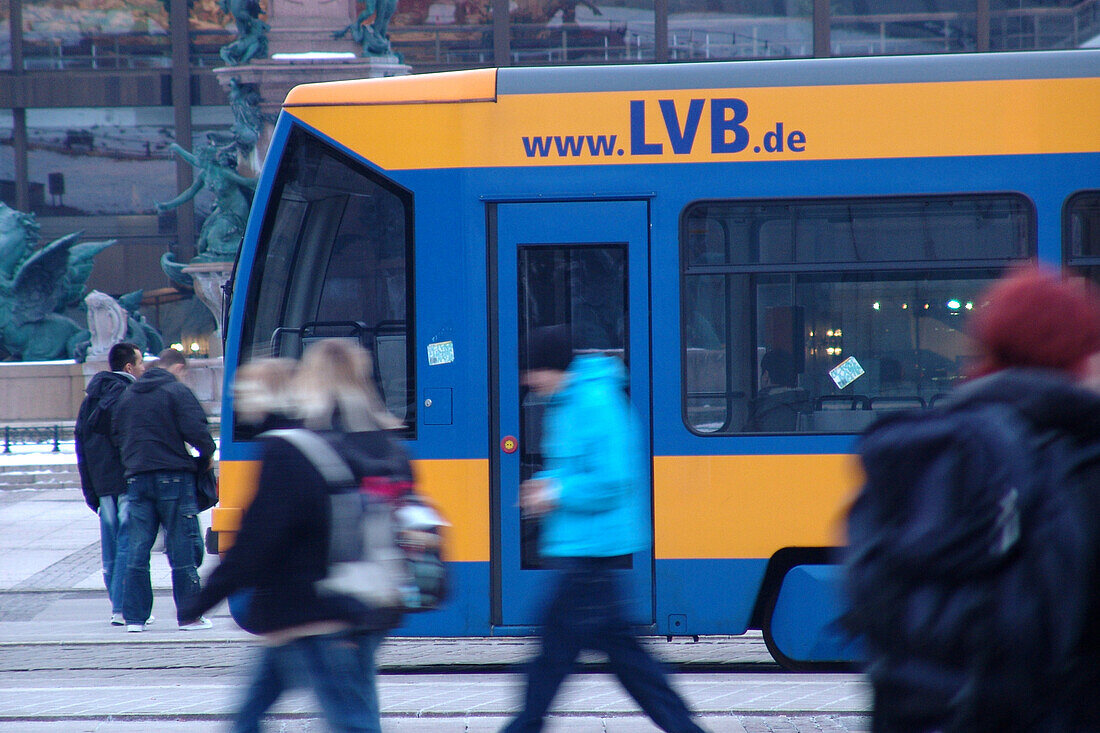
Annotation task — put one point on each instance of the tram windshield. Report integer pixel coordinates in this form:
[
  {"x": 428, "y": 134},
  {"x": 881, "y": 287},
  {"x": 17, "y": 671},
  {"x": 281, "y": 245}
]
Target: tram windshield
[{"x": 334, "y": 259}]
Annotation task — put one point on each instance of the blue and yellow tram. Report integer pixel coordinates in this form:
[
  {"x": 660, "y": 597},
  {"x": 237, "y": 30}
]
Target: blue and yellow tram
[{"x": 832, "y": 220}]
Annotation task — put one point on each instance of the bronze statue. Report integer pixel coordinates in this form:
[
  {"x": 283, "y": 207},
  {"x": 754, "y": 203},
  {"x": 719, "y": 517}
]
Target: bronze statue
[
  {"x": 251, "y": 40},
  {"x": 374, "y": 38},
  {"x": 248, "y": 120},
  {"x": 18, "y": 235},
  {"x": 221, "y": 233},
  {"x": 36, "y": 285}
]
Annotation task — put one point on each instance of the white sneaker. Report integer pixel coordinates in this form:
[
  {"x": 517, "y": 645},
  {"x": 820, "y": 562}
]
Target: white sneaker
[
  {"x": 200, "y": 623},
  {"x": 135, "y": 628},
  {"x": 117, "y": 620},
  {"x": 150, "y": 620}
]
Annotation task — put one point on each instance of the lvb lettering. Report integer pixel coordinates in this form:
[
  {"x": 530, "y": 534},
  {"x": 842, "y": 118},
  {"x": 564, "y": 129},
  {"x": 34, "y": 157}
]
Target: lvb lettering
[{"x": 728, "y": 132}]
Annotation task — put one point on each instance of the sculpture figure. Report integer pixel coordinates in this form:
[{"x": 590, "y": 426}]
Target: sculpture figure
[
  {"x": 31, "y": 328},
  {"x": 111, "y": 321},
  {"x": 221, "y": 233},
  {"x": 248, "y": 120},
  {"x": 36, "y": 285},
  {"x": 251, "y": 40},
  {"x": 106, "y": 323},
  {"x": 18, "y": 235},
  {"x": 140, "y": 331},
  {"x": 373, "y": 38}
]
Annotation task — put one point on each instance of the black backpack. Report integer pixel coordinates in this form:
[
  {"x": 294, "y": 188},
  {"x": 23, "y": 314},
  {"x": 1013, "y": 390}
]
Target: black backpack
[
  {"x": 968, "y": 568},
  {"x": 385, "y": 545}
]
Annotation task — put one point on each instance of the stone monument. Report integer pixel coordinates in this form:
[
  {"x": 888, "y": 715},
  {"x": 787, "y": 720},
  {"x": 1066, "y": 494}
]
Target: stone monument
[{"x": 312, "y": 41}]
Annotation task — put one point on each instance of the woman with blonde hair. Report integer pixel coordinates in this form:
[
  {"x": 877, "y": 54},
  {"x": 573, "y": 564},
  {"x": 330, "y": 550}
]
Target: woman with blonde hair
[
  {"x": 263, "y": 398},
  {"x": 314, "y": 636},
  {"x": 335, "y": 389}
]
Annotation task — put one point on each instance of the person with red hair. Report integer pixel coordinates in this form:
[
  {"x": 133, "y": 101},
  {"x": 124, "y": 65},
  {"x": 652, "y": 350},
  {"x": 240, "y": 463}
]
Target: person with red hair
[
  {"x": 1034, "y": 318},
  {"x": 974, "y": 543}
]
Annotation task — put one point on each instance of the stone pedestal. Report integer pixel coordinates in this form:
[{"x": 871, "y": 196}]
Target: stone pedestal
[
  {"x": 40, "y": 390},
  {"x": 275, "y": 77},
  {"x": 208, "y": 279},
  {"x": 204, "y": 377},
  {"x": 297, "y": 25}
]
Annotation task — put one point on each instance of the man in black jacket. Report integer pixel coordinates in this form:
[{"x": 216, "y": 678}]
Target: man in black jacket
[
  {"x": 97, "y": 457},
  {"x": 156, "y": 419}
]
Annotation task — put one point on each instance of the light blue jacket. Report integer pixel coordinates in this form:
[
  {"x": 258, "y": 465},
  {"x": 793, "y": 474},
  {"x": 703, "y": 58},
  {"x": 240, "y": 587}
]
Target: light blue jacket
[{"x": 592, "y": 450}]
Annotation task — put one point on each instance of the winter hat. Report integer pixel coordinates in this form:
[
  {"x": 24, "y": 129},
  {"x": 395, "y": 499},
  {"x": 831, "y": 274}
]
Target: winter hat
[
  {"x": 550, "y": 347},
  {"x": 1035, "y": 318}
]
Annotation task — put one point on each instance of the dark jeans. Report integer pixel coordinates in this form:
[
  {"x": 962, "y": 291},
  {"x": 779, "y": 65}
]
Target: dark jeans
[
  {"x": 160, "y": 498},
  {"x": 588, "y": 611},
  {"x": 339, "y": 668},
  {"x": 114, "y": 519}
]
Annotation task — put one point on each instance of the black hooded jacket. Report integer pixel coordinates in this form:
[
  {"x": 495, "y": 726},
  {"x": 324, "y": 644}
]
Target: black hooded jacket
[
  {"x": 97, "y": 455},
  {"x": 153, "y": 421},
  {"x": 283, "y": 545},
  {"x": 1053, "y": 403}
]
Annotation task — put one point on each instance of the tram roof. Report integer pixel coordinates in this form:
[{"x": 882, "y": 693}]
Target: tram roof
[{"x": 485, "y": 85}]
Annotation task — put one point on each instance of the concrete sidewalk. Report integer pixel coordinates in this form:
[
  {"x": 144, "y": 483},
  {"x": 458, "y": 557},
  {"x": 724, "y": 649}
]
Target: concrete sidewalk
[{"x": 63, "y": 667}]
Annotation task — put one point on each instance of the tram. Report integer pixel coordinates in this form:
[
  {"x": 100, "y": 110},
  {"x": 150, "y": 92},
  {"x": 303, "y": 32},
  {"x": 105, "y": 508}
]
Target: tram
[{"x": 779, "y": 250}]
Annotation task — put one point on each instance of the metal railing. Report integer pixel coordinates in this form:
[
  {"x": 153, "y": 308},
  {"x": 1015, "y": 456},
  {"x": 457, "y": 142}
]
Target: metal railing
[{"x": 36, "y": 435}]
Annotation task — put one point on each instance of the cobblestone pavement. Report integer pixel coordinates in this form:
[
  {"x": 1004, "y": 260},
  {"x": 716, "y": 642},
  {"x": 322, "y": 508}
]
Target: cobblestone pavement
[{"x": 64, "y": 668}]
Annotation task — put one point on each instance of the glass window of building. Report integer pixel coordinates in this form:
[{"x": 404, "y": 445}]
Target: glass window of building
[
  {"x": 701, "y": 30},
  {"x": 550, "y": 32},
  {"x": 1028, "y": 25},
  {"x": 433, "y": 36},
  {"x": 86, "y": 162},
  {"x": 862, "y": 28},
  {"x": 81, "y": 34},
  {"x": 5, "y": 37},
  {"x": 815, "y": 316},
  {"x": 335, "y": 260}
]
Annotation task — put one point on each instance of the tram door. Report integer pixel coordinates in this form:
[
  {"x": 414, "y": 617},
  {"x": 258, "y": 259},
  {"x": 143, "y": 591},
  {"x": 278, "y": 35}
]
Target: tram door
[{"x": 582, "y": 264}]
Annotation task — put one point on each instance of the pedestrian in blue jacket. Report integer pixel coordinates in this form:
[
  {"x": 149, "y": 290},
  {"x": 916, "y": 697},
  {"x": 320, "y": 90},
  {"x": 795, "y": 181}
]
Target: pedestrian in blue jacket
[{"x": 594, "y": 503}]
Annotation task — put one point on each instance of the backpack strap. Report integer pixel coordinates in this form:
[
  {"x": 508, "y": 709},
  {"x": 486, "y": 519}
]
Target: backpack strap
[{"x": 319, "y": 452}]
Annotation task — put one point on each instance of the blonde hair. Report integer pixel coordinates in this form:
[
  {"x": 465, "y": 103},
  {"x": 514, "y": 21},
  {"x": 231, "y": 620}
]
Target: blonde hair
[
  {"x": 335, "y": 388},
  {"x": 262, "y": 387}
]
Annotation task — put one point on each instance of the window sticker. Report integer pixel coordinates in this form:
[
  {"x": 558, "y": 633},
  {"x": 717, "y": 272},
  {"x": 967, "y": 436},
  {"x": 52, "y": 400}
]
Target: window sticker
[
  {"x": 442, "y": 352},
  {"x": 846, "y": 372}
]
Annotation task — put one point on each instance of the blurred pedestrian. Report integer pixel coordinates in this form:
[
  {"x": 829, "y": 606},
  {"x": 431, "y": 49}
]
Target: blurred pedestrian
[
  {"x": 972, "y": 569},
  {"x": 779, "y": 401},
  {"x": 100, "y": 465},
  {"x": 313, "y": 637},
  {"x": 594, "y": 504},
  {"x": 156, "y": 420}
]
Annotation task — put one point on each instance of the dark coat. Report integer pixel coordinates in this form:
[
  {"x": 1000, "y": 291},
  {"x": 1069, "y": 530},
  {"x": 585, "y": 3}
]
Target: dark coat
[
  {"x": 776, "y": 410},
  {"x": 97, "y": 454},
  {"x": 155, "y": 420},
  {"x": 283, "y": 545},
  {"x": 1053, "y": 405}
]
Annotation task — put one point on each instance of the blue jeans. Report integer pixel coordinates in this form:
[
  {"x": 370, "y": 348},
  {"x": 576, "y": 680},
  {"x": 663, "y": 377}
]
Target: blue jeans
[
  {"x": 113, "y": 542},
  {"x": 339, "y": 668},
  {"x": 160, "y": 498},
  {"x": 588, "y": 611}
]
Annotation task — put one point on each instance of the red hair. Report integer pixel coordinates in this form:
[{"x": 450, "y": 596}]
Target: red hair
[{"x": 1034, "y": 318}]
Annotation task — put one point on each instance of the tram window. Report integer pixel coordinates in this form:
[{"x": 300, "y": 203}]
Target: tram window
[
  {"x": 335, "y": 258},
  {"x": 763, "y": 336},
  {"x": 1081, "y": 234},
  {"x": 857, "y": 230},
  {"x": 583, "y": 287}
]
